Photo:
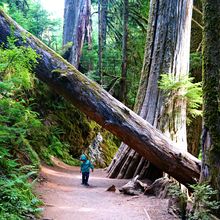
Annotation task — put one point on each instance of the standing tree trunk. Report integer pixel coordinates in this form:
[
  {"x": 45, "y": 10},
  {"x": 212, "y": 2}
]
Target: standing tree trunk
[
  {"x": 123, "y": 84},
  {"x": 69, "y": 21},
  {"x": 77, "y": 24},
  {"x": 167, "y": 52},
  {"x": 211, "y": 88},
  {"x": 194, "y": 129},
  {"x": 102, "y": 30}
]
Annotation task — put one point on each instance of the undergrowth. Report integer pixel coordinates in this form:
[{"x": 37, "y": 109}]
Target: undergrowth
[
  {"x": 24, "y": 138},
  {"x": 202, "y": 204},
  {"x": 17, "y": 124}
]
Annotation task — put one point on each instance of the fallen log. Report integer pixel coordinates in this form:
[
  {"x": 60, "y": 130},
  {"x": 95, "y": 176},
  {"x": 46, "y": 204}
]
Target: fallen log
[{"x": 100, "y": 106}]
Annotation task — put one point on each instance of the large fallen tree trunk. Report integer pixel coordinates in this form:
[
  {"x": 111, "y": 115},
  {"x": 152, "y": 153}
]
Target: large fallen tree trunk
[{"x": 100, "y": 106}]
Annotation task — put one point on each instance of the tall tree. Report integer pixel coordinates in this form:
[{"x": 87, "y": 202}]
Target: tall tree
[
  {"x": 194, "y": 128},
  {"x": 123, "y": 84},
  {"x": 111, "y": 64},
  {"x": 102, "y": 30},
  {"x": 211, "y": 89},
  {"x": 77, "y": 25},
  {"x": 167, "y": 52}
]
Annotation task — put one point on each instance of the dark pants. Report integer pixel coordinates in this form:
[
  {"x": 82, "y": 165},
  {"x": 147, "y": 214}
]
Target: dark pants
[{"x": 85, "y": 178}]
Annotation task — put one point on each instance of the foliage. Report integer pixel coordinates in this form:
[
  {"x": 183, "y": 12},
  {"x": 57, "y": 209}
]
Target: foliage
[
  {"x": 203, "y": 202},
  {"x": 175, "y": 192},
  {"x": 17, "y": 199},
  {"x": 17, "y": 121},
  {"x": 24, "y": 139},
  {"x": 61, "y": 150},
  {"x": 183, "y": 88},
  {"x": 17, "y": 124},
  {"x": 112, "y": 53},
  {"x": 195, "y": 60},
  {"x": 31, "y": 16}
]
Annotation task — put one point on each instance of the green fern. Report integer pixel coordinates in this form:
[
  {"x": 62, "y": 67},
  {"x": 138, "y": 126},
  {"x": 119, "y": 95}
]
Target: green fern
[
  {"x": 17, "y": 122},
  {"x": 203, "y": 202},
  {"x": 192, "y": 92}
]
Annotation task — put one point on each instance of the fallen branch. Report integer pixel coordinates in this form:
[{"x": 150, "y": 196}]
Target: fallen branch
[{"x": 147, "y": 215}]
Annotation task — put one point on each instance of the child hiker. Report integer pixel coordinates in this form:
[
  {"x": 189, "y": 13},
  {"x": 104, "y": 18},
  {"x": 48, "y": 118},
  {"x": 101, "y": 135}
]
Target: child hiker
[{"x": 85, "y": 167}]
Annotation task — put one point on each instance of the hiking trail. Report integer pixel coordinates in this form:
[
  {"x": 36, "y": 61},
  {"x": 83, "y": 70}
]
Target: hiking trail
[{"x": 66, "y": 199}]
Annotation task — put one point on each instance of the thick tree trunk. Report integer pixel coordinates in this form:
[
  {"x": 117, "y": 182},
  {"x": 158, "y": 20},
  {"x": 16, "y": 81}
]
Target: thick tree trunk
[
  {"x": 211, "y": 88},
  {"x": 167, "y": 52},
  {"x": 69, "y": 21},
  {"x": 76, "y": 25},
  {"x": 112, "y": 115}
]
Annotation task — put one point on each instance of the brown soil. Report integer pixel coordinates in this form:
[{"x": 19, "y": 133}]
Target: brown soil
[{"x": 66, "y": 199}]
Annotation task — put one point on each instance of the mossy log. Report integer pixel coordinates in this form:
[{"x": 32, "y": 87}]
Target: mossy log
[{"x": 100, "y": 106}]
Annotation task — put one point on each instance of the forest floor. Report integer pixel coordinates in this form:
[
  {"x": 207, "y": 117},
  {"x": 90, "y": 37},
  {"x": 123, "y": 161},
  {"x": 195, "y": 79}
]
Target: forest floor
[{"x": 66, "y": 199}]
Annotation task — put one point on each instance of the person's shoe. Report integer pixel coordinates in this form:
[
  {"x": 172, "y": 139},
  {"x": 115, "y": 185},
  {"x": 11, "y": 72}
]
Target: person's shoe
[
  {"x": 82, "y": 183},
  {"x": 86, "y": 184}
]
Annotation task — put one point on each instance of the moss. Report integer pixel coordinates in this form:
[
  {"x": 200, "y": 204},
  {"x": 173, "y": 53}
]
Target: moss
[
  {"x": 58, "y": 71},
  {"x": 71, "y": 126},
  {"x": 63, "y": 120},
  {"x": 109, "y": 146},
  {"x": 211, "y": 86},
  {"x": 76, "y": 129}
]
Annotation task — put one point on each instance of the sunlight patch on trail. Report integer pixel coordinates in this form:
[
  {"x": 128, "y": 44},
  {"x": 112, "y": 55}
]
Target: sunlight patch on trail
[
  {"x": 84, "y": 209},
  {"x": 56, "y": 173}
]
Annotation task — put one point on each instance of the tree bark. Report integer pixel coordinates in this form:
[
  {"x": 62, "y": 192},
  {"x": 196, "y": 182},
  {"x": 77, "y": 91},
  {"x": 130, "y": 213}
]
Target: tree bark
[
  {"x": 100, "y": 50},
  {"x": 100, "y": 106},
  {"x": 167, "y": 52},
  {"x": 123, "y": 81},
  {"x": 102, "y": 30},
  {"x": 77, "y": 24},
  {"x": 211, "y": 93},
  {"x": 69, "y": 21}
]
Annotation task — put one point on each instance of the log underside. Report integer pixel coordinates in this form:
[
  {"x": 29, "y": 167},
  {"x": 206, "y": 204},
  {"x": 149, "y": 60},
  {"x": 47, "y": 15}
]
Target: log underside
[
  {"x": 127, "y": 164},
  {"x": 100, "y": 106}
]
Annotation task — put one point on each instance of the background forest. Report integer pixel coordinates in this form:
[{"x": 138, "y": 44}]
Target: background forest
[{"x": 121, "y": 45}]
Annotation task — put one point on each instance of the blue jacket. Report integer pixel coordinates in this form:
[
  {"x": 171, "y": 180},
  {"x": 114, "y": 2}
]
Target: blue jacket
[{"x": 85, "y": 164}]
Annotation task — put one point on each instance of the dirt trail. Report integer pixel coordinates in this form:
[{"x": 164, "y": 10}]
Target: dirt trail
[{"x": 66, "y": 199}]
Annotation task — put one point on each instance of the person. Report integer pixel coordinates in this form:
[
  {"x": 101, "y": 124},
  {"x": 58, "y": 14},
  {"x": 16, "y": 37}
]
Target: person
[{"x": 85, "y": 167}]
